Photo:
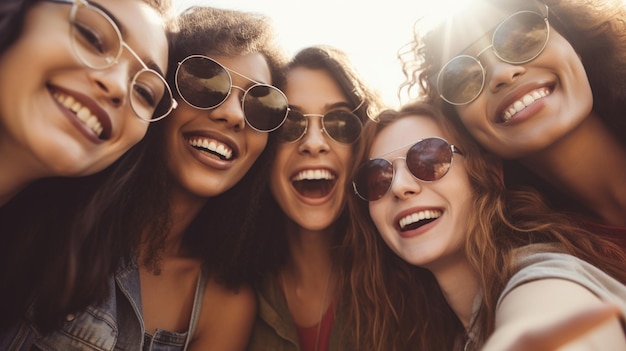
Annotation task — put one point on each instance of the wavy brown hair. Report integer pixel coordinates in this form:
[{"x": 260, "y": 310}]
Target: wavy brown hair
[{"x": 396, "y": 305}]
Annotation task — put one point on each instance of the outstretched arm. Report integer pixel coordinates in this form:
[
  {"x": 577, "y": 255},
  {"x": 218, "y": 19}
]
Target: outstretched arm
[{"x": 555, "y": 314}]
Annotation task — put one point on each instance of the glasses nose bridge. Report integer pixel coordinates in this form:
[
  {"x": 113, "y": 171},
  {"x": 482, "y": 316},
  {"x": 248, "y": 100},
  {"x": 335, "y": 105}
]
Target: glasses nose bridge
[
  {"x": 403, "y": 183},
  {"x": 313, "y": 139}
]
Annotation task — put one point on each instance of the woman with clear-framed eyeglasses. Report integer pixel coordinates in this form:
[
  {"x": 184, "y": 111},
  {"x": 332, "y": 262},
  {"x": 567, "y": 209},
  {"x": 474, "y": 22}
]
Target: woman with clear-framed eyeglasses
[
  {"x": 92, "y": 97},
  {"x": 432, "y": 219},
  {"x": 193, "y": 192},
  {"x": 78, "y": 87},
  {"x": 304, "y": 217},
  {"x": 540, "y": 84}
]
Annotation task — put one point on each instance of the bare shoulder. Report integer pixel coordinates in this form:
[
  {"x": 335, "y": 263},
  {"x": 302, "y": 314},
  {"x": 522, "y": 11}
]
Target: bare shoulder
[{"x": 226, "y": 318}]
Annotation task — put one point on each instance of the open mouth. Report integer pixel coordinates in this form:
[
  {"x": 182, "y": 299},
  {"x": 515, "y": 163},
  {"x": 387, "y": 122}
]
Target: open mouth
[
  {"x": 314, "y": 183},
  {"x": 84, "y": 114},
  {"x": 418, "y": 219},
  {"x": 524, "y": 102},
  {"x": 211, "y": 147}
]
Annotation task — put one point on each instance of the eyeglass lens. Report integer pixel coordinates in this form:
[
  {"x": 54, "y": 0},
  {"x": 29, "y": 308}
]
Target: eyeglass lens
[
  {"x": 98, "y": 44},
  {"x": 342, "y": 126},
  {"x": 519, "y": 39},
  {"x": 205, "y": 84},
  {"x": 427, "y": 160}
]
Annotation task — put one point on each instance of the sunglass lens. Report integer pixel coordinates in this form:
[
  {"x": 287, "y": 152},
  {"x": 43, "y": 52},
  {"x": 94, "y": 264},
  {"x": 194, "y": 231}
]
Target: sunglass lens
[
  {"x": 429, "y": 159},
  {"x": 520, "y": 38},
  {"x": 461, "y": 80},
  {"x": 342, "y": 126},
  {"x": 202, "y": 82},
  {"x": 373, "y": 179},
  {"x": 96, "y": 40},
  {"x": 293, "y": 128},
  {"x": 265, "y": 107}
]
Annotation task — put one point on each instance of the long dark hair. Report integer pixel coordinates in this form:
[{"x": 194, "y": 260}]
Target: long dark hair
[
  {"x": 63, "y": 237},
  {"x": 271, "y": 228}
]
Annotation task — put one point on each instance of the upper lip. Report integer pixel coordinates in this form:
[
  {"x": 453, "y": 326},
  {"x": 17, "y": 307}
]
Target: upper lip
[
  {"x": 94, "y": 108},
  {"x": 517, "y": 94},
  {"x": 216, "y": 136}
]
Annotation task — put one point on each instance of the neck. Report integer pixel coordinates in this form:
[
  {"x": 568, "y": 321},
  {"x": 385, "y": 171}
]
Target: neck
[
  {"x": 459, "y": 284},
  {"x": 589, "y": 164}
]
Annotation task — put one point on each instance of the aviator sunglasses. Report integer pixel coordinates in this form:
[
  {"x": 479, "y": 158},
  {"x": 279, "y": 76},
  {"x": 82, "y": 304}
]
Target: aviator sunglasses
[
  {"x": 520, "y": 38},
  {"x": 340, "y": 125},
  {"x": 205, "y": 84},
  {"x": 428, "y": 160},
  {"x": 97, "y": 43}
]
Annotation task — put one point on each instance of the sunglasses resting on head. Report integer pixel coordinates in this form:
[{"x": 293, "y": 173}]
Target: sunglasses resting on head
[
  {"x": 520, "y": 38},
  {"x": 428, "y": 160},
  {"x": 205, "y": 84}
]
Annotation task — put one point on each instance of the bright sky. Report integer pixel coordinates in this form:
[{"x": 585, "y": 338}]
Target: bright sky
[{"x": 371, "y": 32}]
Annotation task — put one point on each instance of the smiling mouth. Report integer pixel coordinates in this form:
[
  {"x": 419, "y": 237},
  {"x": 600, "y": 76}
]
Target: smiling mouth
[
  {"x": 418, "y": 219},
  {"x": 211, "y": 147},
  {"x": 314, "y": 183},
  {"x": 84, "y": 114},
  {"x": 524, "y": 102}
]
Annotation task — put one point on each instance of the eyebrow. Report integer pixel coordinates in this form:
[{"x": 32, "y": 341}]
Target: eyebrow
[{"x": 148, "y": 61}]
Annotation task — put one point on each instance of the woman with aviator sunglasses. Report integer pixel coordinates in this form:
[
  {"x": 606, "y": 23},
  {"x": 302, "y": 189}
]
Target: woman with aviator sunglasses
[
  {"x": 303, "y": 220},
  {"x": 193, "y": 196},
  {"x": 72, "y": 103},
  {"x": 539, "y": 84},
  {"x": 439, "y": 219}
]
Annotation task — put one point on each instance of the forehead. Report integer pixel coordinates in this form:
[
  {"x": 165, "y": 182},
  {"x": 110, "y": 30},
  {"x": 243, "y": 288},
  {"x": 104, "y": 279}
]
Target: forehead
[
  {"x": 476, "y": 25},
  {"x": 404, "y": 131},
  {"x": 312, "y": 88}
]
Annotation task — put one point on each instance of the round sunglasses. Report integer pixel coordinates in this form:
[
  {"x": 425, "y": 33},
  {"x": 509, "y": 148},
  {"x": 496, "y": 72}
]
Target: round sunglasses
[
  {"x": 205, "y": 84},
  {"x": 340, "y": 125},
  {"x": 428, "y": 160},
  {"x": 520, "y": 38},
  {"x": 97, "y": 43}
]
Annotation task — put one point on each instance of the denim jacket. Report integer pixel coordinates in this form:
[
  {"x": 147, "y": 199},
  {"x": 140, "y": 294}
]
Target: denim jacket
[{"x": 114, "y": 325}]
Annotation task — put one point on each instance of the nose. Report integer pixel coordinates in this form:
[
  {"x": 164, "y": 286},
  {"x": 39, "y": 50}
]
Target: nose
[
  {"x": 404, "y": 185},
  {"x": 112, "y": 83},
  {"x": 230, "y": 112},
  {"x": 499, "y": 73},
  {"x": 314, "y": 141}
]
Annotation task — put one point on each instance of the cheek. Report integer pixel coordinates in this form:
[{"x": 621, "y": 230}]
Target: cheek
[{"x": 377, "y": 212}]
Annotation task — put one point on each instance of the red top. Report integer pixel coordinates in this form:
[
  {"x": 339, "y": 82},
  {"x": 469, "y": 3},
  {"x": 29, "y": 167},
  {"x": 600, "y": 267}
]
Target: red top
[{"x": 308, "y": 335}]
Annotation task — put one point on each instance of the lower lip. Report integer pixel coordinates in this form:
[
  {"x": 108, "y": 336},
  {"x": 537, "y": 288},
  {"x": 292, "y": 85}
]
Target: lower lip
[
  {"x": 526, "y": 113},
  {"x": 419, "y": 231},
  {"x": 78, "y": 124},
  {"x": 208, "y": 160}
]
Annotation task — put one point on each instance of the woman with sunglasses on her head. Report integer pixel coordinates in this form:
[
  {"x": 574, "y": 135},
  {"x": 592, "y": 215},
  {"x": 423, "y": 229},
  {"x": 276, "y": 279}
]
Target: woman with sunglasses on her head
[
  {"x": 79, "y": 85},
  {"x": 304, "y": 217},
  {"x": 506, "y": 264},
  {"x": 539, "y": 84},
  {"x": 193, "y": 196}
]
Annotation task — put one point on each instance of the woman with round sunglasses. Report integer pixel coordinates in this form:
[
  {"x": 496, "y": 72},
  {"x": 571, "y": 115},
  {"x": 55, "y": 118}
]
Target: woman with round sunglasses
[
  {"x": 539, "y": 84},
  {"x": 304, "y": 216},
  {"x": 192, "y": 195},
  {"x": 79, "y": 86},
  {"x": 91, "y": 98},
  {"x": 437, "y": 220}
]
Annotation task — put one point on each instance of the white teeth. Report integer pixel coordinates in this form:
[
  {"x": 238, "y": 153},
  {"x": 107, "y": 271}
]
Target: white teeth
[
  {"x": 82, "y": 112},
  {"x": 313, "y": 174},
  {"x": 213, "y": 146},
  {"x": 525, "y": 101},
  {"x": 418, "y": 216}
]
